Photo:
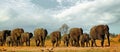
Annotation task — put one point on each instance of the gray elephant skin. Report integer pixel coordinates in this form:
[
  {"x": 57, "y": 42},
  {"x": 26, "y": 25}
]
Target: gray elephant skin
[
  {"x": 99, "y": 32},
  {"x": 40, "y": 35}
]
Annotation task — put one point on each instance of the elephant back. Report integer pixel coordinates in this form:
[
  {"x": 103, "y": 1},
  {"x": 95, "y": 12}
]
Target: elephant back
[
  {"x": 76, "y": 32},
  {"x": 16, "y": 33},
  {"x": 6, "y": 33},
  {"x": 25, "y": 35},
  {"x": 40, "y": 32},
  {"x": 56, "y": 35}
]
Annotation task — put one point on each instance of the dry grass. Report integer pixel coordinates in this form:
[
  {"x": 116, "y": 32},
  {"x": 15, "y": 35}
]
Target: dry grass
[{"x": 115, "y": 47}]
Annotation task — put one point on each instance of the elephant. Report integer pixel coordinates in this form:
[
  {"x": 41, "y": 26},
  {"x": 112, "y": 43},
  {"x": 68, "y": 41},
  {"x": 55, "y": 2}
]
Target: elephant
[
  {"x": 75, "y": 34},
  {"x": 25, "y": 37},
  {"x": 99, "y": 32},
  {"x": 3, "y": 35},
  {"x": 16, "y": 35},
  {"x": 85, "y": 39},
  {"x": 40, "y": 35},
  {"x": 55, "y": 38},
  {"x": 8, "y": 40},
  {"x": 66, "y": 38}
]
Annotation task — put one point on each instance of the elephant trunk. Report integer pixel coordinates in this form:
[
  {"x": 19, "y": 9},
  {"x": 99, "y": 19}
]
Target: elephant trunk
[{"x": 108, "y": 38}]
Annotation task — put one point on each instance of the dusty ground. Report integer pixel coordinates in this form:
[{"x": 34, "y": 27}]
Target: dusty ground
[
  {"x": 115, "y": 47},
  {"x": 60, "y": 49}
]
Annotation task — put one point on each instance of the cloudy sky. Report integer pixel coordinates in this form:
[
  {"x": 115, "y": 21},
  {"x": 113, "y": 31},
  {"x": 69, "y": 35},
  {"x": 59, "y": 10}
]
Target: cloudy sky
[{"x": 51, "y": 14}]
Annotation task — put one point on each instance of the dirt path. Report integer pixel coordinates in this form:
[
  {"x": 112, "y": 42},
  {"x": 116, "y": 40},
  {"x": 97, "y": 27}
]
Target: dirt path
[{"x": 59, "y": 49}]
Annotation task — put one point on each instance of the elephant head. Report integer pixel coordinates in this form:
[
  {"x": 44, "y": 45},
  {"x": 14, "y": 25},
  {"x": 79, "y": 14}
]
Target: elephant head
[{"x": 106, "y": 30}]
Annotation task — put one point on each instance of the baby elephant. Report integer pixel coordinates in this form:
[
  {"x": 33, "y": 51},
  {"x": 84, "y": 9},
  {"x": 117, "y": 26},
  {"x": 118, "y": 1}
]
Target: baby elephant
[
  {"x": 25, "y": 37},
  {"x": 65, "y": 39},
  {"x": 85, "y": 39},
  {"x": 8, "y": 40}
]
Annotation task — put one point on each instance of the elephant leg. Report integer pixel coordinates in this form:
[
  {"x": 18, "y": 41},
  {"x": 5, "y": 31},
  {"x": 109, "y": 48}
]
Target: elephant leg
[
  {"x": 26, "y": 43},
  {"x": 8, "y": 43},
  {"x": 38, "y": 43},
  {"x": 102, "y": 40},
  {"x": 108, "y": 40},
  {"x": 94, "y": 41},
  {"x": 2, "y": 44},
  {"x": 17, "y": 42},
  {"x": 12, "y": 43},
  {"x": 42, "y": 42},
  {"x": 91, "y": 42},
  {"x": 53, "y": 42},
  {"x": 86, "y": 44},
  {"x": 57, "y": 43},
  {"x": 64, "y": 43},
  {"x": 72, "y": 43},
  {"x": 82, "y": 43},
  {"x": 67, "y": 43},
  {"x": 29, "y": 43},
  {"x": 77, "y": 43}
]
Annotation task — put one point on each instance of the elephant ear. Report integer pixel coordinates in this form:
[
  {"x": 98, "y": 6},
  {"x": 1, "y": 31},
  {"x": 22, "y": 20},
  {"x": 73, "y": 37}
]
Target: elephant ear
[
  {"x": 106, "y": 27},
  {"x": 31, "y": 35}
]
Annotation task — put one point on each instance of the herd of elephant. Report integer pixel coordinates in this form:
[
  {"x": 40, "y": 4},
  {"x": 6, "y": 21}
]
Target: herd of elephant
[{"x": 76, "y": 37}]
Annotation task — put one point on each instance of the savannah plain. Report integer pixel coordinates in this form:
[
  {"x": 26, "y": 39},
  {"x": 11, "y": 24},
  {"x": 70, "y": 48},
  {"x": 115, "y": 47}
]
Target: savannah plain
[{"x": 114, "y": 47}]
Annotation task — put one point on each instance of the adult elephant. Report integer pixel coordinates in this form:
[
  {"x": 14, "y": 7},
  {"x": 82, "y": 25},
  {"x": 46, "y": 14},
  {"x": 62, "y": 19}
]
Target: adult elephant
[
  {"x": 56, "y": 38},
  {"x": 16, "y": 35},
  {"x": 84, "y": 39},
  {"x": 25, "y": 37},
  {"x": 65, "y": 39},
  {"x": 3, "y": 35},
  {"x": 40, "y": 36},
  {"x": 75, "y": 34},
  {"x": 99, "y": 32}
]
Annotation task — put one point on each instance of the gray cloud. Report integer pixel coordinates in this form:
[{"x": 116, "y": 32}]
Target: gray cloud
[{"x": 31, "y": 14}]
